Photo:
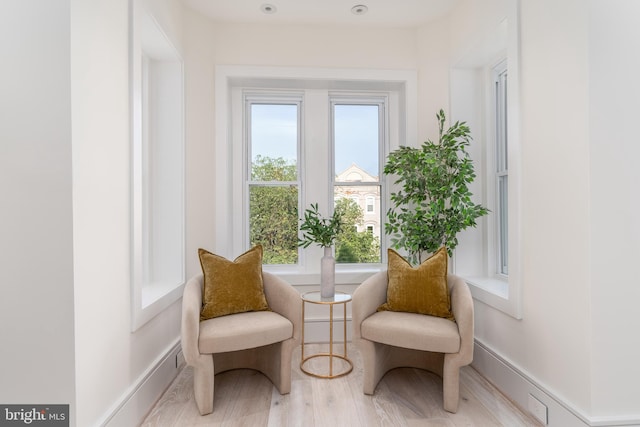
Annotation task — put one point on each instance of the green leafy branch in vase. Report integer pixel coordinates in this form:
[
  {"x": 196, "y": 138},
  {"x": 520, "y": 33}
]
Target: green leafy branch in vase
[{"x": 317, "y": 229}]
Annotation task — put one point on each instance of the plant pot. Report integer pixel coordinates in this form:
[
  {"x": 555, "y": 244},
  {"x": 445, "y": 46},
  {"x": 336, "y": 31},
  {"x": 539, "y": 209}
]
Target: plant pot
[{"x": 327, "y": 274}]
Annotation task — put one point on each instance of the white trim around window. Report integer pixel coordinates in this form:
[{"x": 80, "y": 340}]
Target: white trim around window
[
  {"x": 229, "y": 80},
  {"x": 157, "y": 170}
]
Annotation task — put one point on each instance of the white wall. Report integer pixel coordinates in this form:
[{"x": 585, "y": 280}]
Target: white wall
[
  {"x": 553, "y": 340},
  {"x": 200, "y": 127},
  {"x": 36, "y": 255},
  {"x": 313, "y": 46},
  {"x": 433, "y": 59},
  {"x": 614, "y": 90},
  {"x": 579, "y": 102},
  {"x": 110, "y": 359}
]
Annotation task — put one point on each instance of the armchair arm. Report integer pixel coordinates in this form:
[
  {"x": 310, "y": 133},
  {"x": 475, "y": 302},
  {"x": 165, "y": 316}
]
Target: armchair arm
[
  {"x": 190, "y": 330},
  {"x": 367, "y": 298},
  {"x": 283, "y": 299},
  {"x": 462, "y": 307}
]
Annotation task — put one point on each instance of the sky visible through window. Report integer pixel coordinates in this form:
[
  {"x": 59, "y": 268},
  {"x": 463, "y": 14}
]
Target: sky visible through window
[
  {"x": 274, "y": 131},
  {"x": 356, "y": 137},
  {"x": 274, "y": 134}
]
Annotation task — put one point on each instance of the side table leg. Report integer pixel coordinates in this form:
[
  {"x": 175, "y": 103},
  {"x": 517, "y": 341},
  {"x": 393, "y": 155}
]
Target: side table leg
[
  {"x": 302, "y": 337},
  {"x": 331, "y": 340},
  {"x": 344, "y": 333}
]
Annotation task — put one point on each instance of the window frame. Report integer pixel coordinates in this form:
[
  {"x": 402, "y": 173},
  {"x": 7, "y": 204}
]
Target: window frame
[
  {"x": 381, "y": 101},
  {"x": 229, "y": 82},
  {"x": 307, "y": 195},
  {"x": 250, "y": 98},
  {"x": 500, "y": 150}
]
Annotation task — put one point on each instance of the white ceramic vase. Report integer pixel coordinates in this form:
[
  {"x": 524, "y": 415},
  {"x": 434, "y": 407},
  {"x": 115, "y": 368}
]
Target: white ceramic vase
[{"x": 328, "y": 274}]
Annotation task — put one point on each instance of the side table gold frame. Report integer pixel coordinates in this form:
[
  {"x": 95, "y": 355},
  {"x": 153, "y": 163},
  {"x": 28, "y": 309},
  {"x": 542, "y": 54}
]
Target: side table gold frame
[{"x": 315, "y": 298}]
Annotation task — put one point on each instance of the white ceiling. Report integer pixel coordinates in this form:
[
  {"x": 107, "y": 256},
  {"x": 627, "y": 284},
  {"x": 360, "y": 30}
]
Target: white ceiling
[{"x": 389, "y": 13}]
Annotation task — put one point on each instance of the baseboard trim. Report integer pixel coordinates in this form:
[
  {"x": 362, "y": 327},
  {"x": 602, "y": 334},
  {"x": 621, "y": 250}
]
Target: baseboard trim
[
  {"x": 140, "y": 397},
  {"x": 517, "y": 385}
]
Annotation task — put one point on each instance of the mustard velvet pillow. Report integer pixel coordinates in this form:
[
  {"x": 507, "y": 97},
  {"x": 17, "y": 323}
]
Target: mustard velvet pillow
[
  {"x": 422, "y": 289},
  {"x": 232, "y": 287}
]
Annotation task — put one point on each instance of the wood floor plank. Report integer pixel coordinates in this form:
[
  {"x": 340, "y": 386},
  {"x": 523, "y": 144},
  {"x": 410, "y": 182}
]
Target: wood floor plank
[
  {"x": 471, "y": 412},
  {"x": 404, "y": 397},
  {"x": 386, "y": 408},
  {"x": 416, "y": 392},
  {"x": 250, "y": 400},
  {"x": 495, "y": 402}
]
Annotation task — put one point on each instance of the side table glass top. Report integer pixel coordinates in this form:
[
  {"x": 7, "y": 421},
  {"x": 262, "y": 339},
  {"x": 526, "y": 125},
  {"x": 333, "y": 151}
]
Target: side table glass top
[{"x": 316, "y": 298}]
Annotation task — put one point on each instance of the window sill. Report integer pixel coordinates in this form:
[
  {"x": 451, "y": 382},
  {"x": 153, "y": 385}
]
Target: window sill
[
  {"x": 344, "y": 275},
  {"x": 151, "y": 300},
  {"x": 495, "y": 285},
  {"x": 495, "y": 292}
]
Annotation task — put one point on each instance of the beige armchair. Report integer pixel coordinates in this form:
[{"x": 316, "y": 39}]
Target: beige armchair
[
  {"x": 388, "y": 339},
  {"x": 260, "y": 340}
]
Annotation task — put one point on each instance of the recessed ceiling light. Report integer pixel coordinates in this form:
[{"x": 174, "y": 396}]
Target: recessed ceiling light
[
  {"x": 268, "y": 8},
  {"x": 359, "y": 9}
]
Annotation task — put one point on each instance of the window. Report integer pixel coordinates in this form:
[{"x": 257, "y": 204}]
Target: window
[
  {"x": 315, "y": 92},
  {"x": 273, "y": 187},
  {"x": 358, "y": 138},
  {"x": 501, "y": 207},
  {"x": 157, "y": 148},
  {"x": 273, "y": 139},
  {"x": 370, "y": 204}
]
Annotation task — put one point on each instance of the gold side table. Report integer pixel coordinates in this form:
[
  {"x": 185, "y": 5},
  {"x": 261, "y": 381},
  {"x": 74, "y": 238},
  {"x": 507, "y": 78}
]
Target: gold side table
[{"x": 339, "y": 298}]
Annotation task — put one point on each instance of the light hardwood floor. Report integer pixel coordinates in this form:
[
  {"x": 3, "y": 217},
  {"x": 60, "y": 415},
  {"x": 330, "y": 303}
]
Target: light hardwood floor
[{"x": 404, "y": 397}]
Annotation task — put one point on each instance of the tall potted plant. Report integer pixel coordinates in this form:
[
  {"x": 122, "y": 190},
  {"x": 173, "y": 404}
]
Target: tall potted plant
[
  {"x": 323, "y": 232},
  {"x": 434, "y": 201}
]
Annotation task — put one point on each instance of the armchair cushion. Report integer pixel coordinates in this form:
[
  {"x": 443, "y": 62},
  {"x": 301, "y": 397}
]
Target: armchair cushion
[
  {"x": 421, "y": 290},
  {"x": 411, "y": 330},
  {"x": 230, "y": 333},
  {"x": 232, "y": 286}
]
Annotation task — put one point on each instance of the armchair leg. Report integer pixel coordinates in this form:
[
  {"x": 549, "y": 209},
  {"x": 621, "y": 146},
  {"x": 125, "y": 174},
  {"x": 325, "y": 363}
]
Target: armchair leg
[
  {"x": 203, "y": 386},
  {"x": 374, "y": 358},
  {"x": 451, "y": 387},
  {"x": 284, "y": 370}
]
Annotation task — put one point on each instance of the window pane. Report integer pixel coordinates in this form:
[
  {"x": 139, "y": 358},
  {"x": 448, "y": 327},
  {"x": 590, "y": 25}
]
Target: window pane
[
  {"x": 273, "y": 222},
  {"x": 503, "y": 187},
  {"x": 356, "y": 141},
  {"x": 359, "y": 241},
  {"x": 356, "y": 138},
  {"x": 274, "y": 135},
  {"x": 273, "y": 208},
  {"x": 502, "y": 209},
  {"x": 501, "y": 121}
]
